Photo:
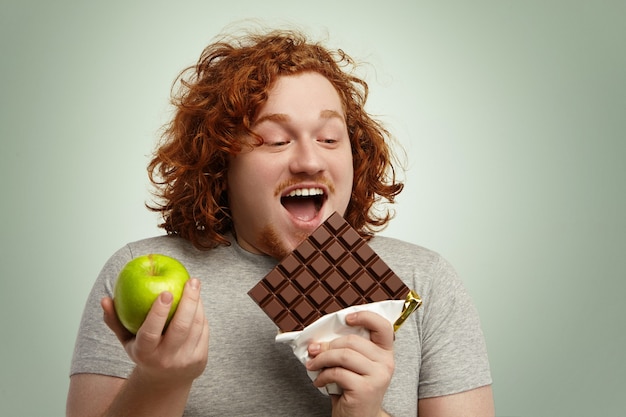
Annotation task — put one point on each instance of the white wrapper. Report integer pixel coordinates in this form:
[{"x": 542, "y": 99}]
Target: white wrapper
[{"x": 331, "y": 326}]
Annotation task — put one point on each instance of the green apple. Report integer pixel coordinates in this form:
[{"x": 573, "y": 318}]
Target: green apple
[{"x": 139, "y": 284}]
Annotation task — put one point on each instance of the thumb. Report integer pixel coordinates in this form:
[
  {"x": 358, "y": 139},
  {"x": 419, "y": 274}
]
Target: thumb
[{"x": 381, "y": 330}]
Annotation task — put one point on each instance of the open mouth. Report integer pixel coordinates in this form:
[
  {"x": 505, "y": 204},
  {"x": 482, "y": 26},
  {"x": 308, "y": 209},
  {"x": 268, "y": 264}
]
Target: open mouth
[{"x": 304, "y": 203}]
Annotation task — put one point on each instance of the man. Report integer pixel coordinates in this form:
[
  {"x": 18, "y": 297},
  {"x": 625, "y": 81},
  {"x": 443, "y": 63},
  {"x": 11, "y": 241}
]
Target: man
[{"x": 269, "y": 139}]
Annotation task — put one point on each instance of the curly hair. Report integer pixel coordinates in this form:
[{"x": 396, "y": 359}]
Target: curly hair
[{"x": 215, "y": 106}]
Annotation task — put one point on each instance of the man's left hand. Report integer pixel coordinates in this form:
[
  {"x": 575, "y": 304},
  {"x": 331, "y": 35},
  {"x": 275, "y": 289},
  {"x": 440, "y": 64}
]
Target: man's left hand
[{"x": 362, "y": 368}]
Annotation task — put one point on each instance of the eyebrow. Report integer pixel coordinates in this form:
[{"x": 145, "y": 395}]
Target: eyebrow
[
  {"x": 283, "y": 118},
  {"x": 329, "y": 114}
]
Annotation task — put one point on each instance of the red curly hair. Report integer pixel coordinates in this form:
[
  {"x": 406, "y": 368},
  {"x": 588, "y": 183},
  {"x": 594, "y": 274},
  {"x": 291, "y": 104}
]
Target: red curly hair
[{"x": 216, "y": 104}]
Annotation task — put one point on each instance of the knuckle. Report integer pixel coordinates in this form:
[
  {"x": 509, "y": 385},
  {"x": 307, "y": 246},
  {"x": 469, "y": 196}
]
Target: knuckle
[
  {"x": 332, "y": 373},
  {"x": 178, "y": 326},
  {"x": 147, "y": 337},
  {"x": 344, "y": 355},
  {"x": 198, "y": 321},
  {"x": 353, "y": 340},
  {"x": 390, "y": 365}
]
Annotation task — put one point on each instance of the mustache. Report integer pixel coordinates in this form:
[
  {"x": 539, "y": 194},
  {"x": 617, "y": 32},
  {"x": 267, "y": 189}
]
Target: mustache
[{"x": 320, "y": 179}]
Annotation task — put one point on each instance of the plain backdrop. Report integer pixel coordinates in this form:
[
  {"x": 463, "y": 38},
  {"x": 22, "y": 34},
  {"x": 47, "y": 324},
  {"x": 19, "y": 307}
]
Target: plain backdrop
[{"x": 512, "y": 115}]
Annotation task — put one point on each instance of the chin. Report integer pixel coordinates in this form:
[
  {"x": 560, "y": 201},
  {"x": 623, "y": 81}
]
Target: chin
[{"x": 276, "y": 246}]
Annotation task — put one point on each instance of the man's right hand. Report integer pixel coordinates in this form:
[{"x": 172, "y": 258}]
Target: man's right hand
[{"x": 178, "y": 355}]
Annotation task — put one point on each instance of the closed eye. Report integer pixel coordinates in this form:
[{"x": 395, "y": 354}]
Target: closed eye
[{"x": 276, "y": 143}]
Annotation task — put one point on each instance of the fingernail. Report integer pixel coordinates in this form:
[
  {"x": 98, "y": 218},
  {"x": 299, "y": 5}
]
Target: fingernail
[
  {"x": 166, "y": 297},
  {"x": 195, "y": 283},
  {"x": 351, "y": 317},
  {"x": 314, "y": 348}
]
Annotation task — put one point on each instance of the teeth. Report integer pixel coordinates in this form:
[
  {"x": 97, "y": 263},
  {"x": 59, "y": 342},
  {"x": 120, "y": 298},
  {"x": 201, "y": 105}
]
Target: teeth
[{"x": 305, "y": 192}]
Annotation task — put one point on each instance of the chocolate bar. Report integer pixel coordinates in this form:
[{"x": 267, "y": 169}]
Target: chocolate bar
[{"x": 332, "y": 269}]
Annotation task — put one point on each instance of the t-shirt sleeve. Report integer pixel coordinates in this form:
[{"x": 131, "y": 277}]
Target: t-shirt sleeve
[
  {"x": 454, "y": 354},
  {"x": 97, "y": 349}
]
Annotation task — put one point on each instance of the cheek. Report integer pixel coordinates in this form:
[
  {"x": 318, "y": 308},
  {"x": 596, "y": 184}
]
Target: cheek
[
  {"x": 343, "y": 179},
  {"x": 346, "y": 171},
  {"x": 238, "y": 182},
  {"x": 250, "y": 181},
  {"x": 242, "y": 172}
]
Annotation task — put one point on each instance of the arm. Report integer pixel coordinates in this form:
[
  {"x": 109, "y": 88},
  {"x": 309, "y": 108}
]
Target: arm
[
  {"x": 102, "y": 395},
  {"x": 91, "y": 394},
  {"x": 362, "y": 368},
  {"x": 474, "y": 403},
  {"x": 166, "y": 363}
]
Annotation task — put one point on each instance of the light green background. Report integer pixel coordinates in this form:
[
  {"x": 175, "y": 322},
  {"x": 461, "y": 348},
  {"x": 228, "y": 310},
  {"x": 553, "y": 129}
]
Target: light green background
[{"x": 512, "y": 114}]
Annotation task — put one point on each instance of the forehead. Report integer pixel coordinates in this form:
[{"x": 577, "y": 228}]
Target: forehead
[{"x": 300, "y": 93}]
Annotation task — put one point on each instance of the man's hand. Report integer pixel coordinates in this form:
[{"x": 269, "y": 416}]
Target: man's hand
[
  {"x": 177, "y": 356},
  {"x": 362, "y": 368}
]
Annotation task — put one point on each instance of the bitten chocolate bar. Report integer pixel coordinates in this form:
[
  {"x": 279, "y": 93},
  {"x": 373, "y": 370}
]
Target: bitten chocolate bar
[{"x": 332, "y": 269}]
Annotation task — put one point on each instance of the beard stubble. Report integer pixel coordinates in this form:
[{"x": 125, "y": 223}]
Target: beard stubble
[{"x": 273, "y": 245}]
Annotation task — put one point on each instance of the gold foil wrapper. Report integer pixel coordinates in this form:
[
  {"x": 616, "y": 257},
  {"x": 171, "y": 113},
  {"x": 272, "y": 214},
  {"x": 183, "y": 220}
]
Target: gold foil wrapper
[{"x": 412, "y": 303}]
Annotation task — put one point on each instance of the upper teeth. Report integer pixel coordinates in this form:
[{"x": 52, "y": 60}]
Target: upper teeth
[{"x": 305, "y": 192}]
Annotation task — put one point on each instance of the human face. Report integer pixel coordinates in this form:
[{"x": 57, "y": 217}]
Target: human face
[{"x": 281, "y": 191}]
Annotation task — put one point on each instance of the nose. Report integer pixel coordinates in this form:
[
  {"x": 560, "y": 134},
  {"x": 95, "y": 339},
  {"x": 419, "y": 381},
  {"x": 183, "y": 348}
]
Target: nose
[{"x": 307, "y": 157}]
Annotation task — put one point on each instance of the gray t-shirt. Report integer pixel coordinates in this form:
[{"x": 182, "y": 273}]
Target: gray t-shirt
[{"x": 440, "y": 350}]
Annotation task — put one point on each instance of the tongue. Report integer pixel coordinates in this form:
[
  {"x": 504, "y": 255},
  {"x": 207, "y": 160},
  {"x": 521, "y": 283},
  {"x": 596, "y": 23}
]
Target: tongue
[{"x": 300, "y": 208}]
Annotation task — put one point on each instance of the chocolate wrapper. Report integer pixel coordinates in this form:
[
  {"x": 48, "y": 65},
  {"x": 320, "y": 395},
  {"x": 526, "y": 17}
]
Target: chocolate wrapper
[{"x": 333, "y": 325}]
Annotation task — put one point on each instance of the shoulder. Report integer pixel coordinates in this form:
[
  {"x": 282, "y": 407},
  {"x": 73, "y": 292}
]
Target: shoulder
[
  {"x": 410, "y": 258},
  {"x": 397, "y": 249},
  {"x": 424, "y": 270},
  {"x": 229, "y": 259},
  {"x": 170, "y": 245},
  {"x": 163, "y": 245}
]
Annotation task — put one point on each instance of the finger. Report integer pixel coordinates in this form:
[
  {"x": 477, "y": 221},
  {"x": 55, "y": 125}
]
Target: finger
[
  {"x": 150, "y": 333},
  {"x": 113, "y": 322},
  {"x": 357, "y": 343},
  {"x": 346, "y": 357},
  {"x": 351, "y": 370},
  {"x": 198, "y": 336},
  {"x": 345, "y": 378},
  {"x": 180, "y": 326},
  {"x": 381, "y": 330},
  {"x": 316, "y": 348}
]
